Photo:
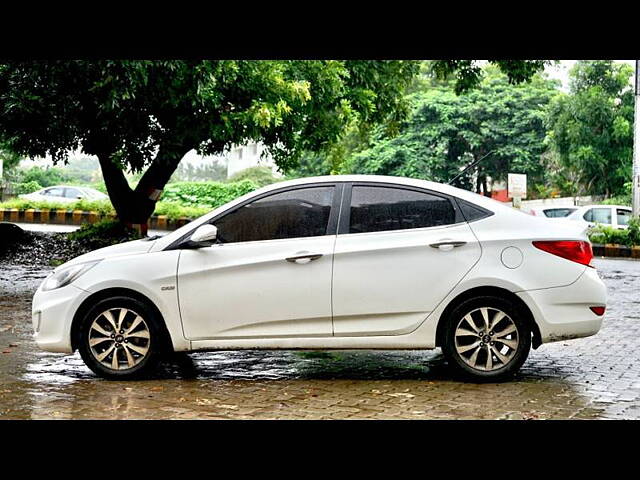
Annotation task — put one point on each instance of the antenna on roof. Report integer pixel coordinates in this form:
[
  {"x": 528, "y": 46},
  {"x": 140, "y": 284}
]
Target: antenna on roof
[{"x": 472, "y": 164}]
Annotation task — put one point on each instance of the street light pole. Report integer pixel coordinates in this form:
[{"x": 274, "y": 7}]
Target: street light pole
[{"x": 636, "y": 146}]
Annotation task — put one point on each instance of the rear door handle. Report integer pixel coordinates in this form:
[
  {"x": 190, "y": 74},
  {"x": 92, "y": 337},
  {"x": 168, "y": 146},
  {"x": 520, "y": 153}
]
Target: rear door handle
[
  {"x": 447, "y": 245},
  {"x": 304, "y": 258}
]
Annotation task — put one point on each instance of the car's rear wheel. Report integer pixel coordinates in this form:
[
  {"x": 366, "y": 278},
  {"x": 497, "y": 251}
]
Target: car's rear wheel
[
  {"x": 120, "y": 338},
  {"x": 486, "y": 338}
]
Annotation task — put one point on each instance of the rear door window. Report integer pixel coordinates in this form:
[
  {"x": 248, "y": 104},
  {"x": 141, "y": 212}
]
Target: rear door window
[
  {"x": 623, "y": 216},
  {"x": 598, "y": 215},
  {"x": 72, "y": 193},
  {"x": 381, "y": 208}
]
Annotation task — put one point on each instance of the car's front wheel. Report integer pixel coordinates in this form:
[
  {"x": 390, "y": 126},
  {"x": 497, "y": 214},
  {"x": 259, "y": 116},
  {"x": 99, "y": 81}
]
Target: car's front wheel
[
  {"x": 120, "y": 338},
  {"x": 486, "y": 338}
]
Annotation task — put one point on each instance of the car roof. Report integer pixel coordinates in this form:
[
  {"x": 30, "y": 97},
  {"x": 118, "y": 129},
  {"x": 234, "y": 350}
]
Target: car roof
[
  {"x": 555, "y": 207},
  {"x": 411, "y": 182},
  {"x": 79, "y": 187},
  {"x": 479, "y": 200},
  {"x": 584, "y": 207}
]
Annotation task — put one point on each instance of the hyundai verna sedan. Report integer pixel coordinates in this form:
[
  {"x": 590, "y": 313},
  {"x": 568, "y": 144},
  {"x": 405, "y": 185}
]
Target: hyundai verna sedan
[{"x": 339, "y": 262}]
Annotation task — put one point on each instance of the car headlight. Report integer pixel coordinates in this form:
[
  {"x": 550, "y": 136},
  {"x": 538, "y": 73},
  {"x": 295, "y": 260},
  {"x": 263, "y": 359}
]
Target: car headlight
[{"x": 66, "y": 275}]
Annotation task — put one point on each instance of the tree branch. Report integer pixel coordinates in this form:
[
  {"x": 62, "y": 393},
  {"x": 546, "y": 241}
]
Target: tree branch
[{"x": 160, "y": 170}]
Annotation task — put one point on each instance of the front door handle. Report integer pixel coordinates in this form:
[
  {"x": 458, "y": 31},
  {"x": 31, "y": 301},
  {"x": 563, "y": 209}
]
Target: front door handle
[
  {"x": 447, "y": 245},
  {"x": 304, "y": 258}
]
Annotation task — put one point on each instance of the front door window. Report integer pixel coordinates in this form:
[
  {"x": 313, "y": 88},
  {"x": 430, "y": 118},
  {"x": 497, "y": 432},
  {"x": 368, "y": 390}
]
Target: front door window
[{"x": 298, "y": 213}]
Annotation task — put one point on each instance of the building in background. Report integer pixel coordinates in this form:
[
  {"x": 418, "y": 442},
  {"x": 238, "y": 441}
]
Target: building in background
[{"x": 238, "y": 158}]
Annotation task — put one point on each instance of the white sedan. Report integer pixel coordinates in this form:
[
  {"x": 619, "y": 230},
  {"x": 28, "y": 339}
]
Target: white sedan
[
  {"x": 338, "y": 262},
  {"x": 616, "y": 216},
  {"x": 65, "y": 194}
]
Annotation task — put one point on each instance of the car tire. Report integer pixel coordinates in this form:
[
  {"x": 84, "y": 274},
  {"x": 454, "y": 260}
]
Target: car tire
[
  {"x": 123, "y": 327},
  {"x": 486, "y": 338}
]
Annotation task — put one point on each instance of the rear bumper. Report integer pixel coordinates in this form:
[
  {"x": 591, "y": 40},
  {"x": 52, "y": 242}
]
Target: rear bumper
[{"x": 563, "y": 313}]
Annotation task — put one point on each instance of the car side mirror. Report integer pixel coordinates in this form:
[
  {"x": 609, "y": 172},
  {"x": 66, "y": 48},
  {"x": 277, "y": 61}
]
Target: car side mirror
[{"x": 205, "y": 234}]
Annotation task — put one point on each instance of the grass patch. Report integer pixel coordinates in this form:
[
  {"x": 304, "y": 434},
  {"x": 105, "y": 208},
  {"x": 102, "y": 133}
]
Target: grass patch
[{"x": 604, "y": 234}]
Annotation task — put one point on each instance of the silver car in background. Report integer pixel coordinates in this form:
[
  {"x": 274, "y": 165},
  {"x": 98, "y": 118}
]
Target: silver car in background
[{"x": 65, "y": 194}]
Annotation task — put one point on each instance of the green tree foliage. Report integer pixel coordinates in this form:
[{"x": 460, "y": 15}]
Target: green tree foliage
[
  {"x": 26, "y": 187},
  {"x": 212, "y": 171},
  {"x": 8, "y": 161},
  {"x": 447, "y": 131},
  {"x": 44, "y": 176},
  {"x": 331, "y": 162},
  {"x": 146, "y": 115},
  {"x": 261, "y": 175},
  {"x": 591, "y": 129},
  {"x": 468, "y": 74},
  {"x": 83, "y": 170}
]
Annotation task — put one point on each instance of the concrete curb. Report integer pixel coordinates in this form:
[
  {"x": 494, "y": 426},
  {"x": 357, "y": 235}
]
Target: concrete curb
[
  {"x": 614, "y": 250},
  {"x": 79, "y": 217}
]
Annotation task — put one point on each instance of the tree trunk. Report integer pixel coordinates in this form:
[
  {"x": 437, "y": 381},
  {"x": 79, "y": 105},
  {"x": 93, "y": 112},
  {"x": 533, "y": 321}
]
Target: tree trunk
[{"x": 134, "y": 206}]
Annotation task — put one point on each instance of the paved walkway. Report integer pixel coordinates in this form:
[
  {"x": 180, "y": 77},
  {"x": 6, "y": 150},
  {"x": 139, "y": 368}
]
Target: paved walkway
[{"x": 595, "y": 377}]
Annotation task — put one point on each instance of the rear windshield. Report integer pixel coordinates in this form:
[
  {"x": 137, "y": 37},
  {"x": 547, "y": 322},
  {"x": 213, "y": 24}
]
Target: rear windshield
[{"x": 558, "y": 212}]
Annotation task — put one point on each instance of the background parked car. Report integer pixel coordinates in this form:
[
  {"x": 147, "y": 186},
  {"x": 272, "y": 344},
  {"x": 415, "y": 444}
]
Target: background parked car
[
  {"x": 616, "y": 216},
  {"x": 65, "y": 194},
  {"x": 552, "y": 212}
]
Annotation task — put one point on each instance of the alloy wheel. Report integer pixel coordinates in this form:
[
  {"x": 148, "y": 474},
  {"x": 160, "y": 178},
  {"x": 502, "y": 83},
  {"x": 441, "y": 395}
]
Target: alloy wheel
[
  {"x": 486, "y": 339},
  {"x": 119, "y": 338}
]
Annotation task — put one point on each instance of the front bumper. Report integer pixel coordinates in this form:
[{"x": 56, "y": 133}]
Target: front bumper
[
  {"x": 52, "y": 314},
  {"x": 563, "y": 313}
]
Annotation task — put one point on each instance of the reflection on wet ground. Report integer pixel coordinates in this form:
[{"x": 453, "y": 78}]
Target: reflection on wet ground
[{"x": 594, "y": 377}]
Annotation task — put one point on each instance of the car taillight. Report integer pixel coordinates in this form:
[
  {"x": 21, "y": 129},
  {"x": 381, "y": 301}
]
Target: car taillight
[
  {"x": 598, "y": 310},
  {"x": 575, "y": 250}
]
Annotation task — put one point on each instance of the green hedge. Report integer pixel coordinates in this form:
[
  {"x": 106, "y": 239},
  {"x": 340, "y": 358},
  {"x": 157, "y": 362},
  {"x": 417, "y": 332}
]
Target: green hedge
[
  {"x": 605, "y": 234},
  {"x": 26, "y": 187},
  {"x": 206, "y": 194},
  {"x": 181, "y": 199},
  {"x": 101, "y": 206},
  {"x": 172, "y": 210}
]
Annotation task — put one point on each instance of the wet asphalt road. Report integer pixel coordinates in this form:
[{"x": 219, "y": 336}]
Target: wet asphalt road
[{"x": 595, "y": 377}]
